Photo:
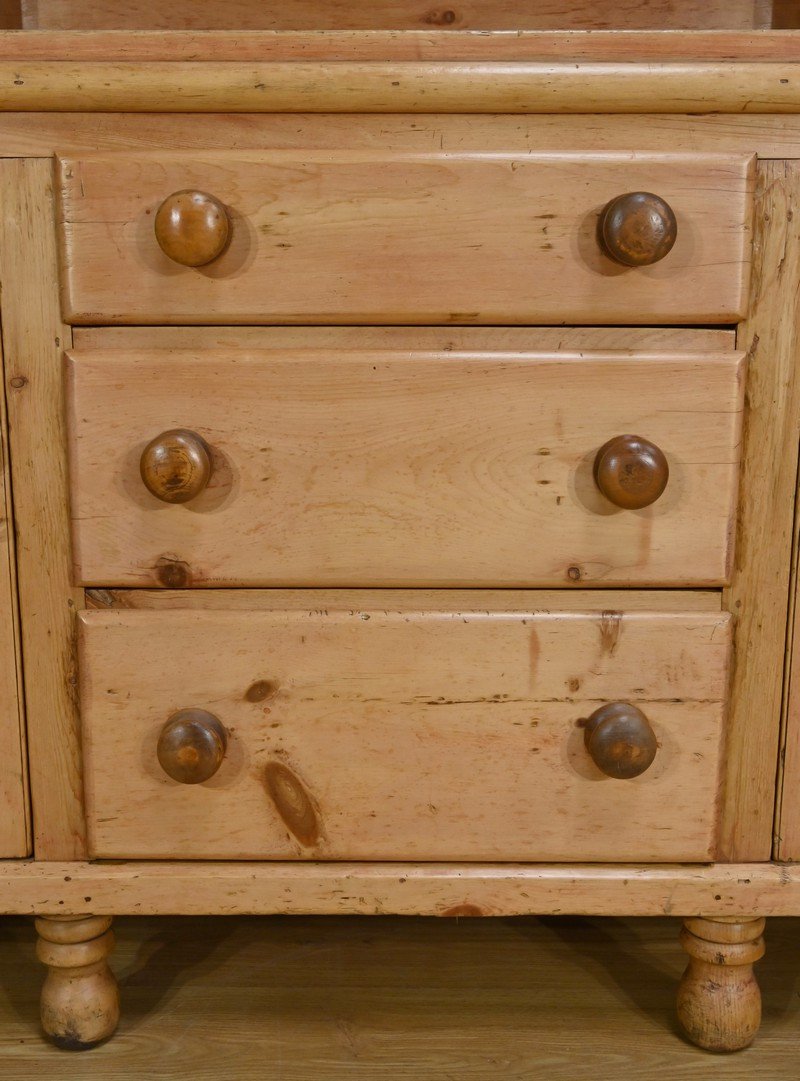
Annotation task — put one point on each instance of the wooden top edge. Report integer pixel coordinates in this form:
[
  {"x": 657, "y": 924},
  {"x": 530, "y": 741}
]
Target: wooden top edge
[
  {"x": 447, "y": 45},
  {"x": 379, "y": 85}
]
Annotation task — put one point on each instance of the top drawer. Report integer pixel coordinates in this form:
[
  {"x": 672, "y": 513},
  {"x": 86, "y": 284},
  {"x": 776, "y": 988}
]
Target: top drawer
[{"x": 388, "y": 237}]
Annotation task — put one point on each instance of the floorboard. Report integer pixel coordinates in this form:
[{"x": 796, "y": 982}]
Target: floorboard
[{"x": 373, "y": 999}]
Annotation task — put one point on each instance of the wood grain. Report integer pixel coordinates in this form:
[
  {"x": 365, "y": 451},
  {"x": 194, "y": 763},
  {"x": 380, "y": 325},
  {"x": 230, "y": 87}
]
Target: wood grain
[
  {"x": 336, "y": 998},
  {"x": 44, "y": 134},
  {"x": 632, "y": 340},
  {"x": 15, "y": 839},
  {"x": 395, "y": 14},
  {"x": 630, "y": 46},
  {"x": 296, "y": 888},
  {"x": 356, "y": 235},
  {"x": 402, "y": 734},
  {"x": 409, "y": 600},
  {"x": 301, "y": 86},
  {"x": 719, "y": 1000},
  {"x": 758, "y": 595},
  {"x": 786, "y": 843},
  {"x": 80, "y": 999},
  {"x": 33, "y": 339},
  {"x": 375, "y": 467}
]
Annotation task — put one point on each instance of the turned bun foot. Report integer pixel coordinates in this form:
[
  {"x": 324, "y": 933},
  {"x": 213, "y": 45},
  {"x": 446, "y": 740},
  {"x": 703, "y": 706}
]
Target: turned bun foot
[
  {"x": 719, "y": 1001},
  {"x": 80, "y": 999}
]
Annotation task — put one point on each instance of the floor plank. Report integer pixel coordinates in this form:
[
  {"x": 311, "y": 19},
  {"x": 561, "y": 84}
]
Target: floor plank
[{"x": 330, "y": 999}]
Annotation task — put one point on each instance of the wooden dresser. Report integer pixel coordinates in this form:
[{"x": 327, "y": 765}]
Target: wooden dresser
[{"x": 400, "y": 435}]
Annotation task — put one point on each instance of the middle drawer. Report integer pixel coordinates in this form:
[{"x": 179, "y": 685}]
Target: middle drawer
[{"x": 388, "y": 466}]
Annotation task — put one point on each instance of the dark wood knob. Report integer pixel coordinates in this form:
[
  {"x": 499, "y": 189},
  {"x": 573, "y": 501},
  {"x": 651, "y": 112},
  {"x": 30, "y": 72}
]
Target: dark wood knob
[
  {"x": 620, "y": 740},
  {"x": 192, "y": 745},
  {"x": 638, "y": 229},
  {"x": 631, "y": 471},
  {"x": 176, "y": 465},
  {"x": 192, "y": 228}
]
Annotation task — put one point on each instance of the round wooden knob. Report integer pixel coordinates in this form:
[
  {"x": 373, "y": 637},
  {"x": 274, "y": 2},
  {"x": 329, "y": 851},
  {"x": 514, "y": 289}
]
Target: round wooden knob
[
  {"x": 176, "y": 465},
  {"x": 191, "y": 746},
  {"x": 631, "y": 471},
  {"x": 192, "y": 228},
  {"x": 620, "y": 740},
  {"x": 638, "y": 229}
]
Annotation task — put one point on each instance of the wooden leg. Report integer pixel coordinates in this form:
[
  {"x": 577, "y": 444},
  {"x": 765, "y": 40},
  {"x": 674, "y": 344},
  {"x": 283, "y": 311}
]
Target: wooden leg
[
  {"x": 719, "y": 1001},
  {"x": 80, "y": 1000}
]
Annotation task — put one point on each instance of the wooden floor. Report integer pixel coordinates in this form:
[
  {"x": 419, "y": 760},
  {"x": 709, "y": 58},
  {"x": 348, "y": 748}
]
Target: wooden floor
[{"x": 375, "y": 999}]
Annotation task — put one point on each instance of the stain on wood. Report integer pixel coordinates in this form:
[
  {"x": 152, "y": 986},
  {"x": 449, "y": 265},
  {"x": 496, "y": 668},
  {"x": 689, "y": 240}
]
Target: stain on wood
[
  {"x": 465, "y": 909},
  {"x": 293, "y": 803},
  {"x": 261, "y": 690},
  {"x": 610, "y": 631},
  {"x": 173, "y": 573}
]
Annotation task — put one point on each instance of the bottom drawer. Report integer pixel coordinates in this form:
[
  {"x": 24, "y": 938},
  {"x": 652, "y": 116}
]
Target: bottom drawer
[{"x": 403, "y": 725}]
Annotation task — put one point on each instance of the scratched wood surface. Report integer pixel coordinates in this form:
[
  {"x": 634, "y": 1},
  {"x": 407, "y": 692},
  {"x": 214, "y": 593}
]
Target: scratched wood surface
[
  {"x": 443, "y": 86},
  {"x": 302, "y": 887},
  {"x": 33, "y": 340},
  {"x": 395, "y": 14},
  {"x": 376, "y": 236},
  {"x": 759, "y": 593},
  {"x": 787, "y": 811},
  {"x": 15, "y": 837},
  {"x": 419, "y": 600},
  {"x": 380, "y": 467},
  {"x": 564, "y": 45},
  {"x": 632, "y": 340},
  {"x": 403, "y": 734},
  {"x": 44, "y": 134}
]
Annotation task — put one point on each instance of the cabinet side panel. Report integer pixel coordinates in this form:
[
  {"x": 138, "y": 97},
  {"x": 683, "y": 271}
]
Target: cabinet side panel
[
  {"x": 786, "y": 842},
  {"x": 33, "y": 340},
  {"x": 758, "y": 595},
  {"x": 15, "y": 838}
]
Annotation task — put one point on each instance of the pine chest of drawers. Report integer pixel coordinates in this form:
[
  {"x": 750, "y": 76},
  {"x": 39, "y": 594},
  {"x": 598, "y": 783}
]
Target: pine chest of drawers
[{"x": 402, "y": 460}]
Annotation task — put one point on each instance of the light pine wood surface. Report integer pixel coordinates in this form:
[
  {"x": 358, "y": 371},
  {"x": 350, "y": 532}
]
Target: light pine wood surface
[
  {"x": 758, "y": 595},
  {"x": 408, "y": 600},
  {"x": 44, "y": 134},
  {"x": 14, "y": 802},
  {"x": 333, "y": 999},
  {"x": 567, "y": 45},
  {"x": 299, "y": 86},
  {"x": 396, "y": 14},
  {"x": 33, "y": 340},
  {"x": 370, "y": 734},
  {"x": 631, "y": 340},
  {"x": 296, "y": 887},
  {"x": 787, "y": 810},
  {"x": 374, "y": 467},
  {"x": 362, "y": 235}
]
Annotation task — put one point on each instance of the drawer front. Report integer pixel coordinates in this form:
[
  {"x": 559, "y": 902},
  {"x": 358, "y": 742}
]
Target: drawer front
[
  {"x": 445, "y": 732},
  {"x": 392, "y": 237},
  {"x": 384, "y": 467}
]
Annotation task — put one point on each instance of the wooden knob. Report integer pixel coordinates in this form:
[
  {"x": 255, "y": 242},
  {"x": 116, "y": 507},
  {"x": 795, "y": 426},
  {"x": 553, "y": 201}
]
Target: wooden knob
[
  {"x": 620, "y": 740},
  {"x": 638, "y": 229},
  {"x": 176, "y": 465},
  {"x": 192, "y": 228},
  {"x": 631, "y": 471},
  {"x": 191, "y": 746}
]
